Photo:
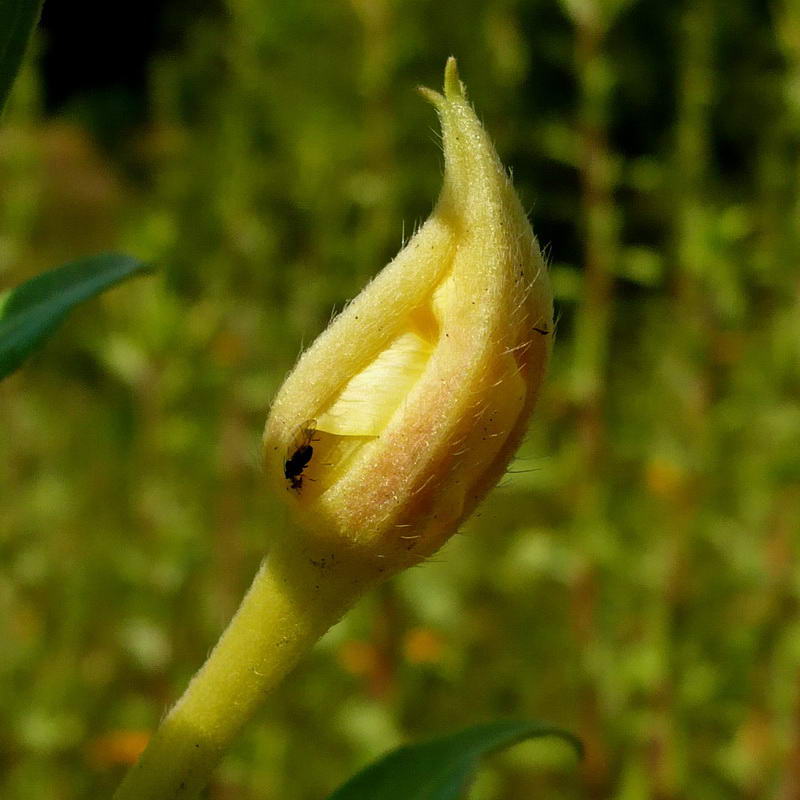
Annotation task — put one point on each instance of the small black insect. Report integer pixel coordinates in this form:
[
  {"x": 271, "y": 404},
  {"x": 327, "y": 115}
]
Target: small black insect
[
  {"x": 299, "y": 455},
  {"x": 542, "y": 331}
]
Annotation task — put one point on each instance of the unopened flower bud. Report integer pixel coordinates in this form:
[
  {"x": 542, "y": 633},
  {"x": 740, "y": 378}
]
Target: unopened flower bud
[{"x": 404, "y": 412}]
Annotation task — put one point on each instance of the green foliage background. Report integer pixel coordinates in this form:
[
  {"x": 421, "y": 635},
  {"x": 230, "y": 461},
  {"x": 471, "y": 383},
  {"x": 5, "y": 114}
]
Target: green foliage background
[{"x": 633, "y": 580}]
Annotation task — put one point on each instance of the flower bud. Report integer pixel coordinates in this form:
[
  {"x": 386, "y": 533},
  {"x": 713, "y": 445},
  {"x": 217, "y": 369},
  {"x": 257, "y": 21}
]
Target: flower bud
[{"x": 403, "y": 413}]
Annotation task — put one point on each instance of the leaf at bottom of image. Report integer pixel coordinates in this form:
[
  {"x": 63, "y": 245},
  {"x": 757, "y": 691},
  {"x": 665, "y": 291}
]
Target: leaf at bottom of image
[{"x": 441, "y": 768}]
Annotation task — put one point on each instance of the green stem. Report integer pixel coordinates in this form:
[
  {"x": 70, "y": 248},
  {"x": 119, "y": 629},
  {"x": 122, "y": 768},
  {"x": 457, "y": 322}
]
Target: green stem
[{"x": 296, "y": 596}]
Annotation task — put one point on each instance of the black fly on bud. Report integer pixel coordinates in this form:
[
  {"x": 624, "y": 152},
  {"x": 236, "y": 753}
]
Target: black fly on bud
[{"x": 299, "y": 455}]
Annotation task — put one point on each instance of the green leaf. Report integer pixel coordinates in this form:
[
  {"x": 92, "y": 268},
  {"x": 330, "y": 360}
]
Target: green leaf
[
  {"x": 18, "y": 18},
  {"x": 31, "y": 311},
  {"x": 440, "y": 769}
]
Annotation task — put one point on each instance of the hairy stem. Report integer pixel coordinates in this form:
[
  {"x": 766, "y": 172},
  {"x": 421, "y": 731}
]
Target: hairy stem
[{"x": 295, "y": 597}]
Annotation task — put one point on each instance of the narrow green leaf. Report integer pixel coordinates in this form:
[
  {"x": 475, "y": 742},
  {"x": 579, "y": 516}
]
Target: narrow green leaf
[
  {"x": 440, "y": 769},
  {"x": 31, "y": 311},
  {"x": 18, "y": 18}
]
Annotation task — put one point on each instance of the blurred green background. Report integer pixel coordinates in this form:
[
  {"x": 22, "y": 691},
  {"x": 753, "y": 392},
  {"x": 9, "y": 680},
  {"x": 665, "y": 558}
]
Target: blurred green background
[{"x": 634, "y": 579}]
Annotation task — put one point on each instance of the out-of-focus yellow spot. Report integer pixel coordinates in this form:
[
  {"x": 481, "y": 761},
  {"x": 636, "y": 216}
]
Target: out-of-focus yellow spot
[
  {"x": 118, "y": 748},
  {"x": 727, "y": 347},
  {"x": 423, "y": 646},
  {"x": 664, "y": 479},
  {"x": 228, "y": 348},
  {"x": 358, "y": 658}
]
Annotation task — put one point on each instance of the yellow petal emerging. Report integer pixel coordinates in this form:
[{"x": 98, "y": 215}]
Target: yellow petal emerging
[{"x": 407, "y": 409}]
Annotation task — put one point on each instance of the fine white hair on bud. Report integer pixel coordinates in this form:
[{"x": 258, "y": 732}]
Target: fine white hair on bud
[{"x": 403, "y": 414}]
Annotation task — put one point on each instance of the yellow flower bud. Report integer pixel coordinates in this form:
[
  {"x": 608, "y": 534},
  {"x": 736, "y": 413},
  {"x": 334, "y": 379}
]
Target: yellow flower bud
[{"x": 403, "y": 413}]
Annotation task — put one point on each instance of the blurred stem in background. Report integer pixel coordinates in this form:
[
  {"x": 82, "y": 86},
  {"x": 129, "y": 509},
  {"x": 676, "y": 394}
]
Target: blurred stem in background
[
  {"x": 780, "y": 241},
  {"x": 787, "y": 15},
  {"x": 696, "y": 42},
  {"x": 686, "y": 330},
  {"x": 590, "y": 359},
  {"x": 376, "y": 78}
]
